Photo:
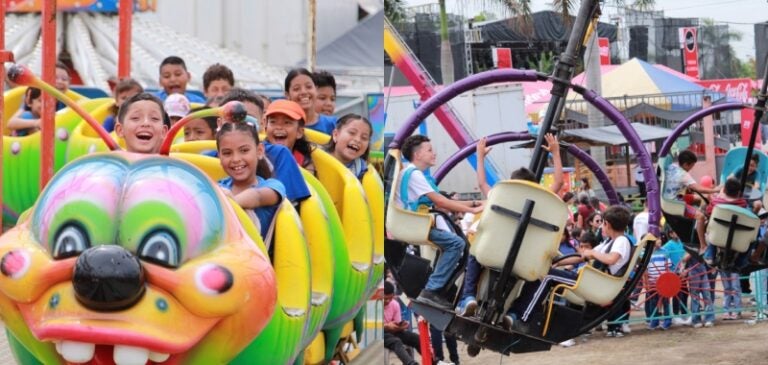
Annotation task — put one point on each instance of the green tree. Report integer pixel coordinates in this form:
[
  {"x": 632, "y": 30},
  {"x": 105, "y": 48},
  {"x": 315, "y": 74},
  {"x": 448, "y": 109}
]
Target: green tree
[
  {"x": 394, "y": 10},
  {"x": 748, "y": 68},
  {"x": 719, "y": 60},
  {"x": 545, "y": 63}
]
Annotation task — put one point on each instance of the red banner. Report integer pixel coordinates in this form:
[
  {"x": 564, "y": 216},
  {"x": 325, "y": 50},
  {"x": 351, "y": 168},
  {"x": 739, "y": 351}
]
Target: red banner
[
  {"x": 737, "y": 89},
  {"x": 690, "y": 51},
  {"x": 502, "y": 57},
  {"x": 747, "y": 117},
  {"x": 605, "y": 50}
]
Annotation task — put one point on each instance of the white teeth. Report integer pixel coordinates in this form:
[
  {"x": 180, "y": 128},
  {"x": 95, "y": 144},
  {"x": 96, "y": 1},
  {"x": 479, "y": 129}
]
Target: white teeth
[
  {"x": 76, "y": 352},
  {"x": 158, "y": 357},
  {"x": 129, "y": 355},
  {"x": 80, "y": 352}
]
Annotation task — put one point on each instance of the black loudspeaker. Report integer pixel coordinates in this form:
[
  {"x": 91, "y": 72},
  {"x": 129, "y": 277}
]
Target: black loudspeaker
[
  {"x": 638, "y": 42},
  {"x": 761, "y": 47}
]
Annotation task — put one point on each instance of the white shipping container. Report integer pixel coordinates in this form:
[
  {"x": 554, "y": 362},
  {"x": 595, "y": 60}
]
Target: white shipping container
[{"x": 487, "y": 110}]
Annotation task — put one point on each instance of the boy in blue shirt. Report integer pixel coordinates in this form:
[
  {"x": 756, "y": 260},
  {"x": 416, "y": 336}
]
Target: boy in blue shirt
[{"x": 174, "y": 78}]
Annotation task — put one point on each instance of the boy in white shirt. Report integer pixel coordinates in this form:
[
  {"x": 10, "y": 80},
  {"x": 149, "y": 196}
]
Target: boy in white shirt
[{"x": 422, "y": 191}]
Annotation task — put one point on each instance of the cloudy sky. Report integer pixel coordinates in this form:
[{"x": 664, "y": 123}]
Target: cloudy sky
[{"x": 740, "y": 15}]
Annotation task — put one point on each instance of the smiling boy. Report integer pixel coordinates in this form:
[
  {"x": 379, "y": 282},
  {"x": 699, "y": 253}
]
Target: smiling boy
[{"x": 174, "y": 78}]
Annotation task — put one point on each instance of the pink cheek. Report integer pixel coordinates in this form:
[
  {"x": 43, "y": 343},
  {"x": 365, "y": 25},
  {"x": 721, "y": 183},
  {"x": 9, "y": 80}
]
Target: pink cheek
[
  {"x": 15, "y": 264},
  {"x": 213, "y": 279}
]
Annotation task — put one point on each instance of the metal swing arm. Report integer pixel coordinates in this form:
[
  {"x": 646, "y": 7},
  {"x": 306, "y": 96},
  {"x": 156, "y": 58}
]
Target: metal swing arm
[
  {"x": 762, "y": 98},
  {"x": 561, "y": 78}
]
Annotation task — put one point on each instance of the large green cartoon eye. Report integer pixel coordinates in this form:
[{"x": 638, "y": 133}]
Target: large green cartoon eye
[
  {"x": 160, "y": 247},
  {"x": 70, "y": 241},
  {"x": 169, "y": 213},
  {"x": 80, "y": 204}
]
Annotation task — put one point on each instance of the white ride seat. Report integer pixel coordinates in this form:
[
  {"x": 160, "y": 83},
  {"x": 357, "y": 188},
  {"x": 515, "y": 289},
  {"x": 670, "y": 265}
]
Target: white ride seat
[
  {"x": 405, "y": 225},
  {"x": 744, "y": 231},
  {"x": 501, "y": 219},
  {"x": 595, "y": 286},
  {"x": 669, "y": 206}
]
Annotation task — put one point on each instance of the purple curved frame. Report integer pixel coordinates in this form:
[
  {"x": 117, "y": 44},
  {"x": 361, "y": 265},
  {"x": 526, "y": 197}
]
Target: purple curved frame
[
  {"x": 507, "y": 75},
  {"x": 497, "y": 138},
  {"x": 683, "y": 126},
  {"x": 453, "y": 90},
  {"x": 653, "y": 194}
]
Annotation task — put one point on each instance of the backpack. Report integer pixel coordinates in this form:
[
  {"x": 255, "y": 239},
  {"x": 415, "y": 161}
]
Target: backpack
[{"x": 606, "y": 269}]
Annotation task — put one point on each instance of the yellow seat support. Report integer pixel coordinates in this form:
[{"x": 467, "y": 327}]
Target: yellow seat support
[{"x": 595, "y": 286}]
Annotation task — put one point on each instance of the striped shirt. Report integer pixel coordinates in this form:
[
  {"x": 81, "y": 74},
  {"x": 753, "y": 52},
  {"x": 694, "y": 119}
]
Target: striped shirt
[{"x": 659, "y": 263}]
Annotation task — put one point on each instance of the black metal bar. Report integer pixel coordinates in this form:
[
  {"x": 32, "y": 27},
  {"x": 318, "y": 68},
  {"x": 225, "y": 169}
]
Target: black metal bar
[
  {"x": 561, "y": 78},
  {"x": 503, "y": 286},
  {"x": 762, "y": 97},
  {"x": 536, "y": 222},
  {"x": 729, "y": 241},
  {"x": 731, "y": 224}
]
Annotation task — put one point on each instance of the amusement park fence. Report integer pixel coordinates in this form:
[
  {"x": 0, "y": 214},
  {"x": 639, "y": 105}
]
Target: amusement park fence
[
  {"x": 753, "y": 308},
  {"x": 661, "y": 110}
]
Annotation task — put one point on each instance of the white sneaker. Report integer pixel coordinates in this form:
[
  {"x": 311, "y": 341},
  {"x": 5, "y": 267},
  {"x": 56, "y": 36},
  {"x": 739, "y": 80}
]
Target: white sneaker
[
  {"x": 709, "y": 324},
  {"x": 697, "y": 325},
  {"x": 441, "y": 362},
  {"x": 677, "y": 321},
  {"x": 625, "y": 328},
  {"x": 568, "y": 343}
]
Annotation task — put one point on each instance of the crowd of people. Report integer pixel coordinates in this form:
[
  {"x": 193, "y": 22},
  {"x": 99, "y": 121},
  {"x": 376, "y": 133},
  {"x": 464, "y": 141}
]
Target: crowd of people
[
  {"x": 594, "y": 232},
  {"x": 260, "y": 173}
]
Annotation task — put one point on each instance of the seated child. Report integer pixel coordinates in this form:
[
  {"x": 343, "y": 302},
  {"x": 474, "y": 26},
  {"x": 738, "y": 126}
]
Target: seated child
[
  {"x": 300, "y": 87},
  {"x": 728, "y": 195},
  {"x": 468, "y": 302},
  {"x": 217, "y": 81},
  {"x": 174, "y": 78},
  {"x": 285, "y": 126},
  {"x": 202, "y": 129},
  {"x": 751, "y": 181},
  {"x": 422, "y": 191},
  {"x": 177, "y": 107},
  {"x": 396, "y": 333},
  {"x": 326, "y": 92},
  {"x": 677, "y": 184},
  {"x": 587, "y": 241},
  {"x": 27, "y": 121},
  {"x": 612, "y": 256},
  {"x": 350, "y": 143},
  {"x": 141, "y": 122},
  {"x": 280, "y": 159},
  {"x": 124, "y": 89},
  {"x": 249, "y": 181}
]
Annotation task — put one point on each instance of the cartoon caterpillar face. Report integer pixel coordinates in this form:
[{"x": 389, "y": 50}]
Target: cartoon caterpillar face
[{"x": 129, "y": 258}]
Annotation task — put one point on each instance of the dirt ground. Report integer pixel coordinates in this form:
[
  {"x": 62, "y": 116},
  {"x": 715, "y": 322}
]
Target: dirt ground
[{"x": 727, "y": 343}]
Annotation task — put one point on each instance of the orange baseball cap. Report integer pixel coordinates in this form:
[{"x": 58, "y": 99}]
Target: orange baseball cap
[{"x": 287, "y": 107}]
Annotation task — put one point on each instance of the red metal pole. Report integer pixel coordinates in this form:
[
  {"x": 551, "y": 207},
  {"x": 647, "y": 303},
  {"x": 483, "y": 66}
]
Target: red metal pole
[
  {"x": 424, "y": 341},
  {"x": 49, "y": 103},
  {"x": 124, "y": 40}
]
